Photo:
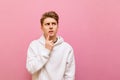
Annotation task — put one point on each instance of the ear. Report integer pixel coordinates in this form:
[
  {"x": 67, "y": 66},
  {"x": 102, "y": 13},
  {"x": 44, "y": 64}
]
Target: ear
[
  {"x": 41, "y": 27},
  {"x": 57, "y": 25}
]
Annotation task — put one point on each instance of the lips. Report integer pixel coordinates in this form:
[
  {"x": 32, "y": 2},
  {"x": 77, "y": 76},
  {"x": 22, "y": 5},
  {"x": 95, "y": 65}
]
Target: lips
[{"x": 50, "y": 31}]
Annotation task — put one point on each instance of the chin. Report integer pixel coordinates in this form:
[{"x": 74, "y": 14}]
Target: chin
[{"x": 52, "y": 35}]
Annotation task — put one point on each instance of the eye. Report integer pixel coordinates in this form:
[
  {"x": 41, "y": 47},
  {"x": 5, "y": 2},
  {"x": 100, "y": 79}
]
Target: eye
[
  {"x": 53, "y": 23},
  {"x": 47, "y": 24}
]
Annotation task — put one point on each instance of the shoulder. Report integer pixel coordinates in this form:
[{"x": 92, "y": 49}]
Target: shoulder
[
  {"x": 67, "y": 45},
  {"x": 69, "y": 49},
  {"x": 34, "y": 43}
]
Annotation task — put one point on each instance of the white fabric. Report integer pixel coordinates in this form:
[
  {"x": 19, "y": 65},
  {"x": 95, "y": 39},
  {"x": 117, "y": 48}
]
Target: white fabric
[{"x": 45, "y": 65}]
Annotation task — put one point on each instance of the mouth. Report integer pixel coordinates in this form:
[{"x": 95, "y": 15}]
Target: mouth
[{"x": 50, "y": 32}]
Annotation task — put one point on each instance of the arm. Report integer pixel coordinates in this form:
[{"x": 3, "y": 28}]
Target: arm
[
  {"x": 70, "y": 67},
  {"x": 36, "y": 59}
]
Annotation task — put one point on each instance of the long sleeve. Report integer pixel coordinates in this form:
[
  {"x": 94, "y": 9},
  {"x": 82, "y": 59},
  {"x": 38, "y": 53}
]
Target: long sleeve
[
  {"x": 70, "y": 67},
  {"x": 36, "y": 58}
]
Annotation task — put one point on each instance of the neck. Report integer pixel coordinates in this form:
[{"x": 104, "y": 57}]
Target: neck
[{"x": 54, "y": 39}]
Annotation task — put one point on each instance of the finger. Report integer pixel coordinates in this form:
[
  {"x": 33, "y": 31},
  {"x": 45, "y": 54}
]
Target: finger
[{"x": 51, "y": 41}]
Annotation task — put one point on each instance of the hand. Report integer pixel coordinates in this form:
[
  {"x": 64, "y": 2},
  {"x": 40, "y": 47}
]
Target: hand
[{"x": 49, "y": 43}]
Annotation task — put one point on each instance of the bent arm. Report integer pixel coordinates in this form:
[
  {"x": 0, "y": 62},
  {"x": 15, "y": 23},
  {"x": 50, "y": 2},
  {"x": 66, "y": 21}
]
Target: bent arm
[{"x": 36, "y": 59}]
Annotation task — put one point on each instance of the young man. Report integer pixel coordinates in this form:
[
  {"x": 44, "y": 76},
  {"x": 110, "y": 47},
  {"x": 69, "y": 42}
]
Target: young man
[{"x": 49, "y": 57}]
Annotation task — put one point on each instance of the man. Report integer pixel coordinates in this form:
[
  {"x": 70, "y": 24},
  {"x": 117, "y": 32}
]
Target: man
[{"x": 49, "y": 57}]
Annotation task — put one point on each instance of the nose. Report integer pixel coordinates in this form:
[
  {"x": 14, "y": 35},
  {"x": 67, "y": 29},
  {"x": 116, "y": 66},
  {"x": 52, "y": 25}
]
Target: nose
[{"x": 51, "y": 26}]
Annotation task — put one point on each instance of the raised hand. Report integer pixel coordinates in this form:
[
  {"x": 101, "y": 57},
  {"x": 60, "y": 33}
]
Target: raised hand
[{"x": 49, "y": 43}]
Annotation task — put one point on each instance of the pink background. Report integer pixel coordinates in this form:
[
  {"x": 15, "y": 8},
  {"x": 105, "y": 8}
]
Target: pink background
[{"x": 92, "y": 27}]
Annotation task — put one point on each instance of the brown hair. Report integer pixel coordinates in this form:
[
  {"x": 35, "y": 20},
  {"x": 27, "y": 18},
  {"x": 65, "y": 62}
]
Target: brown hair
[{"x": 51, "y": 14}]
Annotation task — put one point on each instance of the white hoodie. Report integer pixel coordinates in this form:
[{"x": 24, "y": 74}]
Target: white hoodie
[{"x": 45, "y": 65}]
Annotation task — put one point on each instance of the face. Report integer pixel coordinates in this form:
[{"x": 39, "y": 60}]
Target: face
[{"x": 50, "y": 27}]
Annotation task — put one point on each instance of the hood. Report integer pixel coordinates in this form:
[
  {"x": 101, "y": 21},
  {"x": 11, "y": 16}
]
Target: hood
[{"x": 59, "y": 41}]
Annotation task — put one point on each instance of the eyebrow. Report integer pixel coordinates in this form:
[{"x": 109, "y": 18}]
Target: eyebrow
[{"x": 51, "y": 22}]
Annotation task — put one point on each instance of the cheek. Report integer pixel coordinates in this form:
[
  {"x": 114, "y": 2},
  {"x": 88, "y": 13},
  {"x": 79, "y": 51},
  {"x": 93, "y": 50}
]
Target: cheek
[
  {"x": 45, "y": 29},
  {"x": 56, "y": 27}
]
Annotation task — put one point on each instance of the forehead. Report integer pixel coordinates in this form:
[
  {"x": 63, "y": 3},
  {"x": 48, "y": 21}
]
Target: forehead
[{"x": 49, "y": 20}]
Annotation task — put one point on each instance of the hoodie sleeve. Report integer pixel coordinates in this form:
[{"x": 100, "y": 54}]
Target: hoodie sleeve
[
  {"x": 36, "y": 58},
  {"x": 70, "y": 67}
]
